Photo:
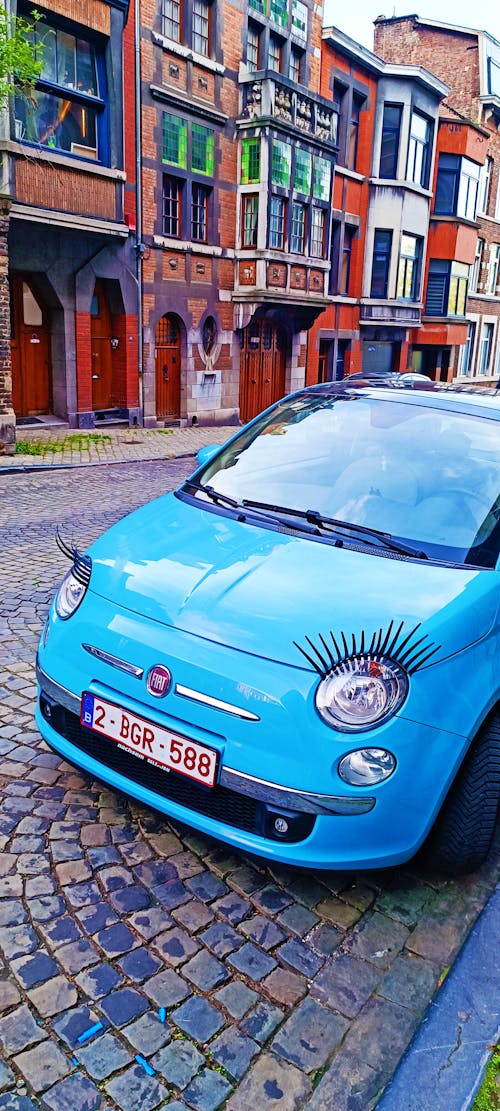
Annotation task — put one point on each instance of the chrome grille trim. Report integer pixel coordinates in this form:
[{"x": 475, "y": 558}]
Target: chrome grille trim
[
  {"x": 114, "y": 661},
  {"x": 292, "y": 799},
  {"x": 54, "y": 690},
  {"x": 215, "y": 703}
]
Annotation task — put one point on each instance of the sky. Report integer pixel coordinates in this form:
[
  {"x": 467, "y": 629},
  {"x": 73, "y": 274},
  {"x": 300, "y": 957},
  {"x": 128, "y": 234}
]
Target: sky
[{"x": 356, "y": 18}]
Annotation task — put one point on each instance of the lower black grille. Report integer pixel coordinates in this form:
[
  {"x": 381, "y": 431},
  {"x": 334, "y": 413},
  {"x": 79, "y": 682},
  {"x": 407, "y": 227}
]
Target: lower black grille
[{"x": 219, "y": 803}]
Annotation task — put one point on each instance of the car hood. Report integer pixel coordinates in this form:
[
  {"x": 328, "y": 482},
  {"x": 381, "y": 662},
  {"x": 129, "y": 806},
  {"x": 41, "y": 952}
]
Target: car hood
[{"x": 260, "y": 590}]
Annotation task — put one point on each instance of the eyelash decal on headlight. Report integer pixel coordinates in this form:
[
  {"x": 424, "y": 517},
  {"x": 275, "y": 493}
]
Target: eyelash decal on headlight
[
  {"x": 82, "y": 564},
  {"x": 411, "y": 652}
]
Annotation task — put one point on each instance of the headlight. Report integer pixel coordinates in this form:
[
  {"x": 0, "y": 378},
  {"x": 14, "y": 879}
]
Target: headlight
[
  {"x": 71, "y": 592},
  {"x": 366, "y": 766},
  {"x": 361, "y": 693}
]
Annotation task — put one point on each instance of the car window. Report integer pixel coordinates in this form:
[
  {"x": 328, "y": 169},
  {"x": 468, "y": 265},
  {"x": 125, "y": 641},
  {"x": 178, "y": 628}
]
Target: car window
[{"x": 425, "y": 474}]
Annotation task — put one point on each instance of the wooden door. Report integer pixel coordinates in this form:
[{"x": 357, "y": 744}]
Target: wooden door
[
  {"x": 262, "y": 368},
  {"x": 101, "y": 330},
  {"x": 168, "y": 368},
  {"x": 30, "y": 349}
]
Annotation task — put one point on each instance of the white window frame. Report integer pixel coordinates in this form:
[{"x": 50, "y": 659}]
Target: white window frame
[{"x": 493, "y": 266}]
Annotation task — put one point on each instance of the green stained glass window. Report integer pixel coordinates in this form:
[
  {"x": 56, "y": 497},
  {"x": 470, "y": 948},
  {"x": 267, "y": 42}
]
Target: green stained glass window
[
  {"x": 303, "y": 171},
  {"x": 299, "y": 20},
  {"x": 202, "y": 159},
  {"x": 321, "y": 179},
  {"x": 258, "y": 6},
  {"x": 250, "y": 161},
  {"x": 174, "y": 140},
  {"x": 281, "y": 163},
  {"x": 279, "y": 12}
]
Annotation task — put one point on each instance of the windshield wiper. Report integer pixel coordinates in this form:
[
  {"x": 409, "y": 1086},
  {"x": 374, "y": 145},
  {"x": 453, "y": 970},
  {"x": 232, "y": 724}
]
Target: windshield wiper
[
  {"x": 213, "y": 494},
  {"x": 313, "y": 517}
]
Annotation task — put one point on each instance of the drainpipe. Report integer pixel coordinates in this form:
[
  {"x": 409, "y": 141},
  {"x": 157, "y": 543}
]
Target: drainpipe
[{"x": 139, "y": 245}]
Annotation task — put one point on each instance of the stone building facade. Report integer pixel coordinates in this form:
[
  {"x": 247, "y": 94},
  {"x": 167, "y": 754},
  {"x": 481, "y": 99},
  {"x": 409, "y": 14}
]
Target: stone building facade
[{"x": 469, "y": 62}]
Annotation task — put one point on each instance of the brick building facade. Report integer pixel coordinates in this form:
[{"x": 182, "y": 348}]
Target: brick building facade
[
  {"x": 73, "y": 298},
  {"x": 469, "y": 62},
  {"x": 237, "y": 169}
]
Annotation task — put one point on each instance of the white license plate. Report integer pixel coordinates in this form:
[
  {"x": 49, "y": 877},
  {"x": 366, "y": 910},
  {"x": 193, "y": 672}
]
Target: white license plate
[{"x": 150, "y": 741}]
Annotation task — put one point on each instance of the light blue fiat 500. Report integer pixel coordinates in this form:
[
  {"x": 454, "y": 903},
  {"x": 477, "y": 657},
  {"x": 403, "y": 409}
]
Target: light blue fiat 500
[{"x": 297, "y": 652}]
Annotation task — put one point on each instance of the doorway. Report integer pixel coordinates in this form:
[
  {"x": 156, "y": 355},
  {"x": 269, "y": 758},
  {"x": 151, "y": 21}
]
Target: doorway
[
  {"x": 168, "y": 368},
  {"x": 262, "y": 367},
  {"x": 101, "y": 330},
  {"x": 30, "y": 351}
]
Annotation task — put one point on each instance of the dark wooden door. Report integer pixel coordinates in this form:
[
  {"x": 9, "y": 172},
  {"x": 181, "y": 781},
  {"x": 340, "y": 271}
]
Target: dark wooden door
[
  {"x": 30, "y": 349},
  {"x": 101, "y": 330},
  {"x": 262, "y": 368},
  {"x": 168, "y": 368}
]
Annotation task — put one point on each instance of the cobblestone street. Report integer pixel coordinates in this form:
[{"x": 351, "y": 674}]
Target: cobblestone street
[{"x": 143, "y": 966}]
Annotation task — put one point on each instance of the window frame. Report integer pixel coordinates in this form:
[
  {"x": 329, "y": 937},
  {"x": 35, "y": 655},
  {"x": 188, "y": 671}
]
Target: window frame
[
  {"x": 409, "y": 264},
  {"x": 418, "y": 160},
  {"x": 254, "y": 34},
  {"x": 175, "y": 9},
  {"x": 493, "y": 267},
  {"x": 199, "y": 18},
  {"x": 477, "y": 265},
  {"x": 249, "y": 206},
  {"x": 485, "y": 350},
  {"x": 92, "y": 104},
  {"x": 462, "y": 186},
  {"x": 275, "y": 53},
  {"x": 178, "y": 185},
  {"x": 381, "y": 236},
  {"x": 277, "y": 222},
  {"x": 391, "y": 139},
  {"x": 298, "y": 227},
  {"x": 200, "y": 190},
  {"x": 483, "y": 195},
  {"x": 317, "y": 224}
]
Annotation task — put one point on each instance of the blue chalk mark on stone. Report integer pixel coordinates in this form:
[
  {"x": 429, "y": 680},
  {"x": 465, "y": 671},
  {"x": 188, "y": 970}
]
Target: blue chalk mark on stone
[
  {"x": 90, "y": 1032},
  {"x": 162, "y": 1014},
  {"x": 147, "y": 1068}
]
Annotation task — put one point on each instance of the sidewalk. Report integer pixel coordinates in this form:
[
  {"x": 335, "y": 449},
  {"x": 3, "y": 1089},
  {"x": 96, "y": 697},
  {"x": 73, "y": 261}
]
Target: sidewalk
[{"x": 60, "y": 446}]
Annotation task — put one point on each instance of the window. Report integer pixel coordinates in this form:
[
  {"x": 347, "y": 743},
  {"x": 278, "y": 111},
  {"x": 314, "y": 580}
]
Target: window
[
  {"x": 381, "y": 259},
  {"x": 250, "y": 217},
  {"x": 199, "y": 212},
  {"x": 299, "y": 20},
  {"x": 446, "y": 288},
  {"x": 277, "y": 223},
  {"x": 258, "y": 6},
  {"x": 281, "y": 163},
  {"x": 171, "y": 19},
  {"x": 389, "y": 148},
  {"x": 274, "y": 56},
  {"x": 278, "y": 11},
  {"x": 352, "y": 151},
  {"x": 484, "y": 185},
  {"x": 497, "y": 202},
  {"x": 250, "y": 161},
  {"x": 419, "y": 150},
  {"x": 485, "y": 349},
  {"x": 458, "y": 289},
  {"x": 409, "y": 268},
  {"x": 201, "y": 27},
  {"x": 67, "y": 110},
  {"x": 322, "y": 177},
  {"x": 172, "y": 194},
  {"x": 174, "y": 140},
  {"x": 456, "y": 187},
  {"x": 478, "y": 262},
  {"x": 467, "y": 353},
  {"x": 298, "y": 233},
  {"x": 491, "y": 281},
  {"x": 202, "y": 154},
  {"x": 317, "y": 232},
  {"x": 345, "y": 267},
  {"x": 253, "y": 48},
  {"x": 295, "y": 65},
  {"x": 302, "y": 174}
]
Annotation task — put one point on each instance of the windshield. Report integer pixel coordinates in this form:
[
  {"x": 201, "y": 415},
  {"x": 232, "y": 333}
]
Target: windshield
[{"x": 427, "y": 476}]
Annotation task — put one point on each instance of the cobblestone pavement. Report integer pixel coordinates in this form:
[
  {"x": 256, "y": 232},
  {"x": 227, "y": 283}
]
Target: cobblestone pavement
[
  {"x": 60, "y": 446},
  {"x": 145, "y": 966}
]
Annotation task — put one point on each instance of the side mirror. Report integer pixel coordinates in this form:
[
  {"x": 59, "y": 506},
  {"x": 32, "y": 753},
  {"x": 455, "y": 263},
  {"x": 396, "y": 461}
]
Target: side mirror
[{"x": 205, "y": 454}]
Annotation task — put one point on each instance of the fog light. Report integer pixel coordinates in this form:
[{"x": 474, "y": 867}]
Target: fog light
[
  {"x": 281, "y": 825},
  {"x": 366, "y": 766}
]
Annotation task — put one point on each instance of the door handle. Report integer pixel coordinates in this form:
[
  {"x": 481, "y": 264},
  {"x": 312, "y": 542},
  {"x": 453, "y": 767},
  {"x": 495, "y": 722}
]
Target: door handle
[
  {"x": 253, "y": 381},
  {"x": 94, "y": 376},
  {"x": 165, "y": 373}
]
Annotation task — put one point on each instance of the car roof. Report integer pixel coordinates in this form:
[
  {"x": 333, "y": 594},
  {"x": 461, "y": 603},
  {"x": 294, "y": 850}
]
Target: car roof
[{"x": 481, "y": 401}]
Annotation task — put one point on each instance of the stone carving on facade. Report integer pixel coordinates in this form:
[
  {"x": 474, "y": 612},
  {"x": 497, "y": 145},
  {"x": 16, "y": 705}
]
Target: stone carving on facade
[
  {"x": 304, "y": 115},
  {"x": 253, "y": 106},
  {"x": 282, "y": 104}
]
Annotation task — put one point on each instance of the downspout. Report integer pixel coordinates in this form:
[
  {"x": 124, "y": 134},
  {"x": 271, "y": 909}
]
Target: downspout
[{"x": 139, "y": 245}]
